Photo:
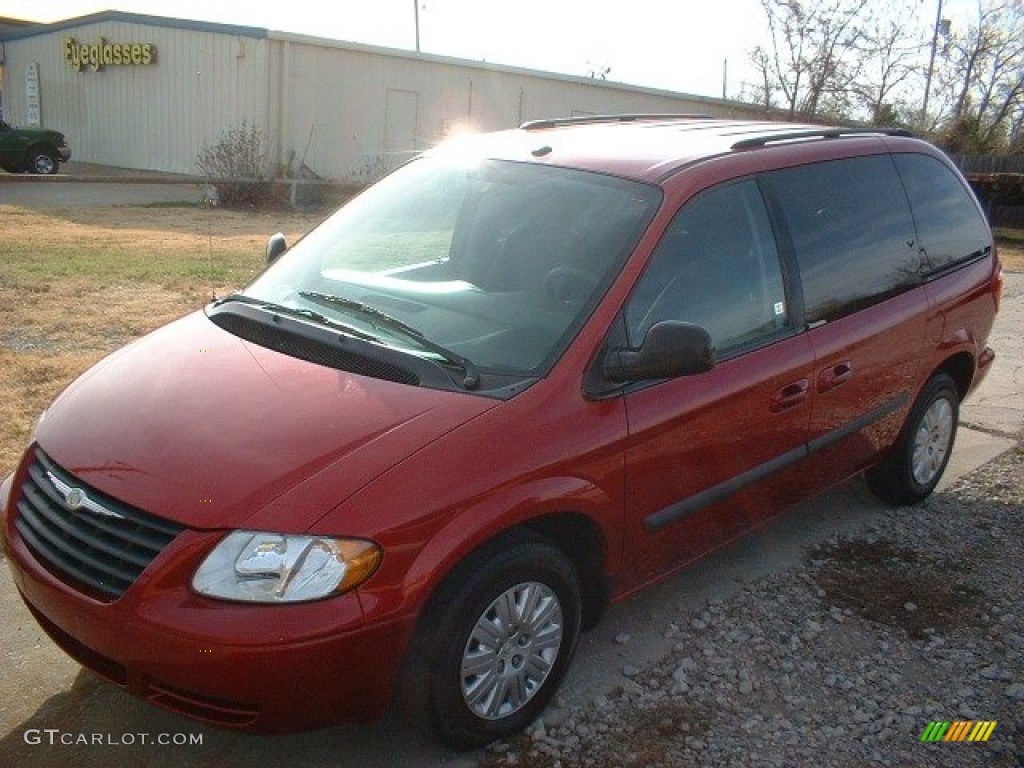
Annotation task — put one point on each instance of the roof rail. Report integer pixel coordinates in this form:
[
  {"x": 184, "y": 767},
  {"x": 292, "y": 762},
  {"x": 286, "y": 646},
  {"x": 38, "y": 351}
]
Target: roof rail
[
  {"x": 554, "y": 122},
  {"x": 817, "y": 133}
]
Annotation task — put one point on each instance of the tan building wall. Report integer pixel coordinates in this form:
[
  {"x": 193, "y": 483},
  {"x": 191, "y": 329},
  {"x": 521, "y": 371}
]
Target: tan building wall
[
  {"x": 138, "y": 115},
  {"x": 346, "y": 111}
]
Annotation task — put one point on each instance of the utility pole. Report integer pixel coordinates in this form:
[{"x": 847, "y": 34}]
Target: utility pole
[
  {"x": 931, "y": 64},
  {"x": 416, "y": 13}
]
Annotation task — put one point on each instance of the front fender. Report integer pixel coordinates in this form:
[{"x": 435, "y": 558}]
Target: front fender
[{"x": 413, "y": 570}]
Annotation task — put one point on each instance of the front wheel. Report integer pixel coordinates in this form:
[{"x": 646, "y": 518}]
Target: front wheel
[
  {"x": 494, "y": 644},
  {"x": 42, "y": 161},
  {"x": 919, "y": 457}
]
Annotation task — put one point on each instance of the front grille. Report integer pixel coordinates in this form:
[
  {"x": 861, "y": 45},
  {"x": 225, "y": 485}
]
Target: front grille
[{"x": 84, "y": 537}]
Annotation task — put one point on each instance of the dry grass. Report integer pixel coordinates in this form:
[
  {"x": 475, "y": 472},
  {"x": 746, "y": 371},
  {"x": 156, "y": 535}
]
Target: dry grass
[{"x": 77, "y": 284}]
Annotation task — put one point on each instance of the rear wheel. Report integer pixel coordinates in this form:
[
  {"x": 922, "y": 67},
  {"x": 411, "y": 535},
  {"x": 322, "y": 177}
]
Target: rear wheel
[
  {"x": 42, "y": 160},
  {"x": 917, "y": 461},
  {"x": 494, "y": 644}
]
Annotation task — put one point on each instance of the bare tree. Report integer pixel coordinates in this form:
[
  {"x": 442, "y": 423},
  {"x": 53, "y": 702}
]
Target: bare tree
[
  {"x": 1016, "y": 145},
  {"x": 844, "y": 58},
  {"x": 762, "y": 92},
  {"x": 985, "y": 68},
  {"x": 891, "y": 50},
  {"x": 810, "y": 64}
]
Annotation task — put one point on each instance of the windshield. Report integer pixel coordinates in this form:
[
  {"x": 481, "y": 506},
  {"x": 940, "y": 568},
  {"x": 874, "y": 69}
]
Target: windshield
[{"x": 495, "y": 262}]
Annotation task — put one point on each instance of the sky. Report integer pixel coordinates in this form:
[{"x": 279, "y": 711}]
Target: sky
[
  {"x": 690, "y": 46},
  {"x": 677, "y": 45}
]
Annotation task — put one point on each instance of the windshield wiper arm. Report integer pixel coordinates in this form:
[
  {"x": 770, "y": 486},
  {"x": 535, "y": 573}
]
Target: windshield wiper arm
[
  {"x": 472, "y": 376},
  {"x": 296, "y": 312}
]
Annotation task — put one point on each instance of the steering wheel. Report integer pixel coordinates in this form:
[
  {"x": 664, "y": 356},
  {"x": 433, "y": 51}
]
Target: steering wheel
[{"x": 570, "y": 284}]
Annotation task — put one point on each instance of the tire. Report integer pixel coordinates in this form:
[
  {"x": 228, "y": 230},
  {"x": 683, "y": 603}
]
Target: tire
[
  {"x": 42, "y": 161},
  {"x": 916, "y": 463},
  {"x": 493, "y": 645}
]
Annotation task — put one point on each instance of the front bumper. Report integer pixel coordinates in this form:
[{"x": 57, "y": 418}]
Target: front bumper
[
  {"x": 238, "y": 666},
  {"x": 64, "y": 153}
]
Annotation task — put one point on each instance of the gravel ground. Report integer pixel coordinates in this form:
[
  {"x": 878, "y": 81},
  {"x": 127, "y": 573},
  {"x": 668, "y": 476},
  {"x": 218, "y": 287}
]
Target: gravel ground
[{"x": 842, "y": 661}]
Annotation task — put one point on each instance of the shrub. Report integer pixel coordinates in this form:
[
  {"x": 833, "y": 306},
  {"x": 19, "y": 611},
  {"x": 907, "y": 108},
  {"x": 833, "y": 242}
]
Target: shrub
[{"x": 234, "y": 168}]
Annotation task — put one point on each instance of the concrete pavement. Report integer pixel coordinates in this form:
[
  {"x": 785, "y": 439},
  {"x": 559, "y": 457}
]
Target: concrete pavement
[{"x": 86, "y": 185}]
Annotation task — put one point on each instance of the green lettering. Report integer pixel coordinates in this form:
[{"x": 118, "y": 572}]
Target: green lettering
[
  {"x": 147, "y": 53},
  {"x": 136, "y": 54}
]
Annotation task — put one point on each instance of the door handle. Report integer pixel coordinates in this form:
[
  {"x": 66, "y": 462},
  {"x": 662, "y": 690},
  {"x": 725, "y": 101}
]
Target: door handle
[
  {"x": 789, "y": 396},
  {"x": 835, "y": 376}
]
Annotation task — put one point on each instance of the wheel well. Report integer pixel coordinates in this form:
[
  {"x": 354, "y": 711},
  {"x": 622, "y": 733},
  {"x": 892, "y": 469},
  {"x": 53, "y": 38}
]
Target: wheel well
[
  {"x": 961, "y": 368},
  {"x": 48, "y": 148},
  {"x": 577, "y": 536},
  {"x": 581, "y": 540}
]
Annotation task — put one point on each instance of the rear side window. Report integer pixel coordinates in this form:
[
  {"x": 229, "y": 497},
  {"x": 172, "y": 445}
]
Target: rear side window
[
  {"x": 718, "y": 267},
  {"x": 852, "y": 231},
  {"x": 951, "y": 228}
]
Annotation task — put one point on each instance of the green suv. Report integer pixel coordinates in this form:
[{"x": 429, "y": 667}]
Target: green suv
[{"x": 35, "y": 150}]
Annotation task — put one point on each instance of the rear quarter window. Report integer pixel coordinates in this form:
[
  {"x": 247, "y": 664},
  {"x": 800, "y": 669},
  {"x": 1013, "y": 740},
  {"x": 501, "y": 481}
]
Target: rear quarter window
[
  {"x": 851, "y": 230},
  {"x": 949, "y": 224}
]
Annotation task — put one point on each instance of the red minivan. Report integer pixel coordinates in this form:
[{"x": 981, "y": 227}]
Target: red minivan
[{"x": 523, "y": 376}]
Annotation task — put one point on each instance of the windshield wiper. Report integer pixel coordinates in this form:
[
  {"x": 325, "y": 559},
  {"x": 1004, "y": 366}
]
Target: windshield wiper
[
  {"x": 308, "y": 314},
  {"x": 384, "y": 320}
]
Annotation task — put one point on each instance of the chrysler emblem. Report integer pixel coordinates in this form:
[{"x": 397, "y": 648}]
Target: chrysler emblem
[{"x": 76, "y": 499}]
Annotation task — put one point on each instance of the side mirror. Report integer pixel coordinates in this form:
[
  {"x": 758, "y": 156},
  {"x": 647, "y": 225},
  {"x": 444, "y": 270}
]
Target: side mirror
[
  {"x": 276, "y": 245},
  {"x": 669, "y": 349}
]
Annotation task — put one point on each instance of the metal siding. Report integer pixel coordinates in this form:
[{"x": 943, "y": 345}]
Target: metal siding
[
  {"x": 154, "y": 117},
  {"x": 336, "y": 103},
  {"x": 318, "y": 102}
]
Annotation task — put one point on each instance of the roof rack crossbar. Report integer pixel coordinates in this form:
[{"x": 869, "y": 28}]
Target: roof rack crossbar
[
  {"x": 554, "y": 122},
  {"x": 812, "y": 133}
]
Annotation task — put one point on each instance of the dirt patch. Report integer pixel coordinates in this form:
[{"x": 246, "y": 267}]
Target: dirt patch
[
  {"x": 894, "y": 586},
  {"x": 1012, "y": 256}
]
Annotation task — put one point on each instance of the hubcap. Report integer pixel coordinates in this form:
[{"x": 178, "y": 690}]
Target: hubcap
[
  {"x": 43, "y": 164},
  {"x": 932, "y": 441},
  {"x": 511, "y": 650}
]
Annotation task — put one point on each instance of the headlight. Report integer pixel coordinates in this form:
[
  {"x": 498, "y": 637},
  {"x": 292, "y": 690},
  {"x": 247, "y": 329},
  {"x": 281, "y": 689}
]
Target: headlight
[{"x": 260, "y": 567}]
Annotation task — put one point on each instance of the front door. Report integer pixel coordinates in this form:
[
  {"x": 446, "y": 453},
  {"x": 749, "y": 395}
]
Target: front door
[{"x": 702, "y": 448}]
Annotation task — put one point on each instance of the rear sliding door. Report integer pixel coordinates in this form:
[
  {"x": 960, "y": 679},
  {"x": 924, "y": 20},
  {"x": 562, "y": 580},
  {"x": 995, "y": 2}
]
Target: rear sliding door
[{"x": 851, "y": 231}]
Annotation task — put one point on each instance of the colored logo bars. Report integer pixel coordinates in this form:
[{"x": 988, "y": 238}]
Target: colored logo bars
[{"x": 959, "y": 730}]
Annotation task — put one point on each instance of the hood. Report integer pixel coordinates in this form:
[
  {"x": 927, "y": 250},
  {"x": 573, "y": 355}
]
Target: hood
[
  {"x": 198, "y": 426},
  {"x": 37, "y": 133}
]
